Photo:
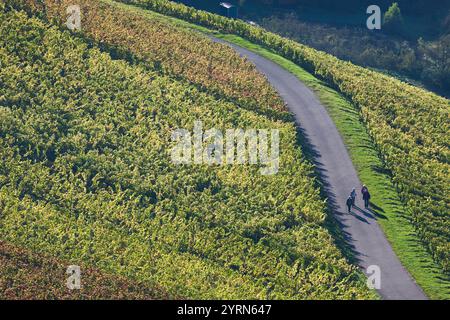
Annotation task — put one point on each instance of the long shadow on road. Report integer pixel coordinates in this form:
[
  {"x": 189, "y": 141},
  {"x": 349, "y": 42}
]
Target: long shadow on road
[{"x": 359, "y": 233}]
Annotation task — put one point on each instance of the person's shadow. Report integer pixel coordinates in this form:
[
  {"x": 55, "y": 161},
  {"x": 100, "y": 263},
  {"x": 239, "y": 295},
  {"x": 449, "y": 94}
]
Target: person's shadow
[
  {"x": 364, "y": 212},
  {"x": 376, "y": 211},
  {"x": 371, "y": 213},
  {"x": 360, "y": 218}
]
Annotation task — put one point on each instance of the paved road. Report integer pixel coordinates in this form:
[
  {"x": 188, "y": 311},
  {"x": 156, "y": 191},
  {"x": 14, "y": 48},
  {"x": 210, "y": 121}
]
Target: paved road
[{"x": 339, "y": 176}]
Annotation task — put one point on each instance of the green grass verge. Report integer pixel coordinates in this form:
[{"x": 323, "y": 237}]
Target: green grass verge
[{"x": 390, "y": 211}]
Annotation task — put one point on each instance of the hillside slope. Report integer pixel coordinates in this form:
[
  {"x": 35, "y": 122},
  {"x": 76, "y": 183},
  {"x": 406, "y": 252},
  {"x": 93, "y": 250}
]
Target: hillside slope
[
  {"x": 409, "y": 125},
  {"x": 86, "y": 176},
  {"x": 339, "y": 175},
  {"x": 31, "y": 276}
]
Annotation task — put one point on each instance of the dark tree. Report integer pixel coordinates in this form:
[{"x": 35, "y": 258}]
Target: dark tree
[{"x": 393, "y": 20}]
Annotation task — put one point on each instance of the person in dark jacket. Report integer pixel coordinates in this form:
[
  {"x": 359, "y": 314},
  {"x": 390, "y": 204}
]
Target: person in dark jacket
[
  {"x": 353, "y": 195},
  {"x": 364, "y": 189},
  {"x": 349, "y": 204},
  {"x": 366, "y": 198}
]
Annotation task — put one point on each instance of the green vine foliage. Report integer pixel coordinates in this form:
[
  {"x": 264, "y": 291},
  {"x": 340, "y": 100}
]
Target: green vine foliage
[
  {"x": 86, "y": 175},
  {"x": 409, "y": 125},
  {"x": 28, "y": 275}
]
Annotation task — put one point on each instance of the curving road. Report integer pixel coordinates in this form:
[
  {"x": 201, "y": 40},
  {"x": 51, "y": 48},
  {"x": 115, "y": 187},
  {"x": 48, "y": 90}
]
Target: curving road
[{"x": 339, "y": 176}]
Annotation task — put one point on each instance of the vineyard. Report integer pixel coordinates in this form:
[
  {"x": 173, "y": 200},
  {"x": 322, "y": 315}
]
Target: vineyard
[
  {"x": 86, "y": 174},
  {"x": 170, "y": 50},
  {"x": 27, "y": 275},
  {"x": 409, "y": 125}
]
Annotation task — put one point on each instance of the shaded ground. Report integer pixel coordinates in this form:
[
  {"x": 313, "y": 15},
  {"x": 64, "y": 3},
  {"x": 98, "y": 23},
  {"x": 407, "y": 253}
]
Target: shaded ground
[
  {"x": 28, "y": 276},
  {"x": 333, "y": 163}
]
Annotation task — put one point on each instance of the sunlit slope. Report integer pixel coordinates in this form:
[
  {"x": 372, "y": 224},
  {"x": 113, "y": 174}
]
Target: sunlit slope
[
  {"x": 409, "y": 125},
  {"x": 86, "y": 175},
  {"x": 170, "y": 50}
]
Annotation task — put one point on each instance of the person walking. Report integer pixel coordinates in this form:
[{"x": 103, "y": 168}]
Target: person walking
[
  {"x": 349, "y": 204},
  {"x": 364, "y": 189},
  {"x": 353, "y": 196},
  {"x": 366, "y": 198}
]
